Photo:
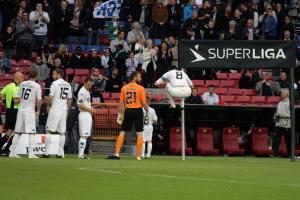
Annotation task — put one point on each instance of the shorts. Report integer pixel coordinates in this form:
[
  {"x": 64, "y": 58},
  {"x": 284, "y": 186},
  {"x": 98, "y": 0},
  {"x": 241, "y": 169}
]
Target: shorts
[
  {"x": 179, "y": 92},
  {"x": 57, "y": 121},
  {"x": 133, "y": 116},
  {"x": 85, "y": 124},
  {"x": 26, "y": 122},
  {"x": 10, "y": 118},
  {"x": 147, "y": 133}
]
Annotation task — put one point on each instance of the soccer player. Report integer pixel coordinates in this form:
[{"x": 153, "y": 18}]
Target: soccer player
[
  {"x": 132, "y": 100},
  {"x": 29, "y": 97},
  {"x": 60, "y": 98},
  {"x": 178, "y": 84},
  {"x": 85, "y": 116},
  {"x": 150, "y": 118}
]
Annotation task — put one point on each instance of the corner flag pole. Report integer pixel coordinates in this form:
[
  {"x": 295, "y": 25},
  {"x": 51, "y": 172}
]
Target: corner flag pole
[
  {"x": 182, "y": 129},
  {"x": 292, "y": 112}
]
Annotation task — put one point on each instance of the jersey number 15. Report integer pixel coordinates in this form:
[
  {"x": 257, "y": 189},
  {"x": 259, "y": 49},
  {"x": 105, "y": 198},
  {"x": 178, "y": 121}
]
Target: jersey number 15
[{"x": 64, "y": 93}]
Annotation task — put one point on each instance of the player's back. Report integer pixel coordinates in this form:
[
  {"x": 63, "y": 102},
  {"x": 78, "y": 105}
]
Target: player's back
[
  {"x": 177, "y": 78},
  {"x": 133, "y": 95},
  {"x": 61, "y": 91},
  {"x": 29, "y": 92}
]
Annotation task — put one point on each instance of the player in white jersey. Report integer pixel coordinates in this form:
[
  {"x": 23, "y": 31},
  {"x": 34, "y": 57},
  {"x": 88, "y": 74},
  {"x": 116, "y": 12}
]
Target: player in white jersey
[
  {"x": 30, "y": 99},
  {"x": 60, "y": 99},
  {"x": 178, "y": 84},
  {"x": 85, "y": 116},
  {"x": 150, "y": 119}
]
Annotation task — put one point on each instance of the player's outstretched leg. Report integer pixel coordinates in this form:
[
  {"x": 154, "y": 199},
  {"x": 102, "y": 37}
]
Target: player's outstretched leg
[
  {"x": 31, "y": 145},
  {"x": 149, "y": 148},
  {"x": 13, "y": 146}
]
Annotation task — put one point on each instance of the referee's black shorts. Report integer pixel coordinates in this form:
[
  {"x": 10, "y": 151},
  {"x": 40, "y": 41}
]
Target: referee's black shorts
[
  {"x": 11, "y": 118},
  {"x": 133, "y": 116}
]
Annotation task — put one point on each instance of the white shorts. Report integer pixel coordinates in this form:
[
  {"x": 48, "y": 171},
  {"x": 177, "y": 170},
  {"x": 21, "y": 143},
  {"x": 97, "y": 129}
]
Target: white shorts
[
  {"x": 179, "y": 92},
  {"x": 25, "y": 122},
  {"x": 85, "y": 123},
  {"x": 147, "y": 133},
  {"x": 57, "y": 121}
]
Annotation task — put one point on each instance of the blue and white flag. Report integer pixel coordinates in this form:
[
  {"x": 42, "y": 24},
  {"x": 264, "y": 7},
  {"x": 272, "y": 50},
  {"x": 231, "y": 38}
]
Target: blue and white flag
[{"x": 109, "y": 9}]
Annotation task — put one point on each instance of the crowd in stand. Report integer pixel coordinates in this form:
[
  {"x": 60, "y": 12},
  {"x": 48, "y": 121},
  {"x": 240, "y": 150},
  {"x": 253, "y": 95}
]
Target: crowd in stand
[{"x": 144, "y": 37}]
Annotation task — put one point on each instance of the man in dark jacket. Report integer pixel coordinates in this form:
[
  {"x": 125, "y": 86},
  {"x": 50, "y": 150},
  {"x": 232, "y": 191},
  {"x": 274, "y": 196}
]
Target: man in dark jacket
[
  {"x": 175, "y": 15},
  {"x": 194, "y": 98},
  {"x": 78, "y": 60}
]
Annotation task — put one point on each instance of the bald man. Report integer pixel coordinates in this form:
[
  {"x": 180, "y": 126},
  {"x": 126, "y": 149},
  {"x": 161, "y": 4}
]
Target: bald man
[{"x": 9, "y": 93}]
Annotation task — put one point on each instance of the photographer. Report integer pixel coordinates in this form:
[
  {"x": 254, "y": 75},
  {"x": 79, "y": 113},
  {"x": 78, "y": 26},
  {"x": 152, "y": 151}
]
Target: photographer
[{"x": 40, "y": 20}]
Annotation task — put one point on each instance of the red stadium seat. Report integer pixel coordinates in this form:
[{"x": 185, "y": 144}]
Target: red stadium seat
[
  {"x": 106, "y": 95},
  {"x": 24, "y": 62},
  {"x": 221, "y": 91},
  {"x": 17, "y": 69},
  {"x": 260, "y": 142},
  {"x": 235, "y": 91},
  {"x": 82, "y": 72},
  {"x": 215, "y": 83},
  {"x": 228, "y": 99},
  {"x": 202, "y": 90},
  {"x": 258, "y": 99},
  {"x": 115, "y": 96},
  {"x": 243, "y": 99},
  {"x": 8, "y": 77},
  {"x": 198, "y": 83},
  {"x": 273, "y": 100},
  {"x": 230, "y": 141},
  {"x": 79, "y": 79},
  {"x": 101, "y": 118},
  {"x": 227, "y": 83},
  {"x": 175, "y": 141},
  {"x": 13, "y": 63},
  {"x": 113, "y": 115},
  {"x": 222, "y": 76},
  {"x": 249, "y": 92},
  {"x": 69, "y": 71},
  {"x": 234, "y": 76},
  {"x": 205, "y": 143}
]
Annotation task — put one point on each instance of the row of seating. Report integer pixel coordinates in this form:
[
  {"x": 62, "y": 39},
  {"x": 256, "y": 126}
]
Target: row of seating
[
  {"x": 230, "y": 145},
  {"x": 217, "y": 83}
]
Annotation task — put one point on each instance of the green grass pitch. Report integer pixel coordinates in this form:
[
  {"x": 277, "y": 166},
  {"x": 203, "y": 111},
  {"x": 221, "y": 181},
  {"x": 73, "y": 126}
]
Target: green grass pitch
[{"x": 159, "y": 178}]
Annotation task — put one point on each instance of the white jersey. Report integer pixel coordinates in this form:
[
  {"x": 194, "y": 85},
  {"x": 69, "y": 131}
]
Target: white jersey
[
  {"x": 176, "y": 78},
  {"x": 61, "y": 91},
  {"x": 84, "y": 98},
  {"x": 150, "y": 118},
  {"x": 29, "y": 93}
]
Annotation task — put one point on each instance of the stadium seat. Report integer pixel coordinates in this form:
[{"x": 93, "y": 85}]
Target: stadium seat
[
  {"x": 221, "y": 91},
  {"x": 112, "y": 117},
  {"x": 205, "y": 143},
  {"x": 249, "y": 92},
  {"x": 13, "y": 63},
  {"x": 243, "y": 99},
  {"x": 115, "y": 96},
  {"x": 79, "y": 79},
  {"x": 198, "y": 83},
  {"x": 234, "y": 76},
  {"x": 215, "y": 83},
  {"x": 101, "y": 118},
  {"x": 16, "y": 69},
  {"x": 106, "y": 95},
  {"x": 230, "y": 141},
  {"x": 235, "y": 91},
  {"x": 24, "y": 62},
  {"x": 175, "y": 141},
  {"x": 8, "y": 77},
  {"x": 227, "y": 83},
  {"x": 228, "y": 99},
  {"x": 260, "y": 142},
  {"x": 26, "y": 69},
  {"x": 273, "y": 100},
  {"x": 202, "y": 90},
  {"x": 82, "y": 72},
  {"x": 69, "y": 71},
  {"x": 258, "y": 99},
  {"x": 222, "y": 76},
  {"x": 73, "y": 39}
]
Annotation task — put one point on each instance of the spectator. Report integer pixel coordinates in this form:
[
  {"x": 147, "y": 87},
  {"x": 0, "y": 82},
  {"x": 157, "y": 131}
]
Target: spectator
[
  {"x": 192, "y": 27},
  {"x": 49, "y": 8},
  {"x": 239, "y": 20},
  {"x": 137, "y": 48},
  {"x": 265, "y": 87},
  {"x": 174, "y": 51},
  {"x": 282, "y": 83},
  {"x": 160, "y": 18},
  {"x": 24, "y": 32},
  {"x": 99, "y": 80},
  {"x": 288, "y": 26},
  {"x": 41, "y": 20},
  {"x": 43, "y": 116},
  {"x": 113, "y": 28},
  {"x": 58, "y": 64},
  {"x": 246, "y": 81},
  {"x": 210, "y": 33},
  {"x": 187, "y": 10},
  {"x": 149, "y": 65},
  {"x": 94, "y": 26},
  {"x": 131, "y": 64},
  {"x": 222, "y": 19},
  {"x": 41, "y": 68},
  {"x": 210, "y": 97},
  {"x": 194, "y": 98},
  {"x": 269, "y": 25},
  {"x": 107, "y": 62},
  {"x": 287, "y": 35},
  {"x": 134, "y": 33},
  {"x": 250, "y": 32},
  {"x": 9, "y": 42},
  {"x": 174, "y": 20},
  {"x": 47, "y": 55},
  {"x": 282, "y": 123},
  {"x": 78, "y": 60},
  {"x": 233, "y": 32},
  {"x": 164, "y": 59},
  {"x": 62, "y": 20},
  {"x": 281, "y": 18},
  {"x": 77, "y": 19},
  {"x": 114, "y": 83},
  {"x": 204, "y": 14},
  {"x": 5, "y": 66},
  {"x": 119, "y": 43},
  {"x": 246, "y": 12},
  {"x": 93, "y": 60},
  {"x": 63, "y": 54}
]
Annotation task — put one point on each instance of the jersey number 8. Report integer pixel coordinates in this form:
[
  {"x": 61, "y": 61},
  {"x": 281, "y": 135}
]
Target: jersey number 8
[{"x": 178, "y": 75}]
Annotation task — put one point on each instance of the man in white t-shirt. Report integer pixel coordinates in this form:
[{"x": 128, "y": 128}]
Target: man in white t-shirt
[
  {"x": 30, "y": 99},
  {"x": 60, "y": 98},
  {"x": 178, "y": 84},
  {"x": 210, "y": 97},
  {"x": 40, "y": 20},
  {"x": 150, "y": 119},
  {"x": 85, "y": 116}
]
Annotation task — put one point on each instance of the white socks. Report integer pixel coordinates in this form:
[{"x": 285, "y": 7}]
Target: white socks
[
  {"x": 47, "y": 143},
  {"x": 149, "y": 149},
  {"x": 81, "y": 146},
  {"x": 62, "y": 140},
  {"x": 31, "y": 144},
  {"x": 14, "y": 143},
  {"x": 143, "y": 150}
]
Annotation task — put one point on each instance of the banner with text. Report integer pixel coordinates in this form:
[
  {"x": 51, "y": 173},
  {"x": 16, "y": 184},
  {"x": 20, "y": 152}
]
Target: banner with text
[{"x": 109, "y": 9}]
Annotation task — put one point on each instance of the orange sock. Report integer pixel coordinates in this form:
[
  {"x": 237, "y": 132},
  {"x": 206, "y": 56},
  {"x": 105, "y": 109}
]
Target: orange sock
[
  {"x": 139, "y": 145},
  {"x": 119, "y": 144}
]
